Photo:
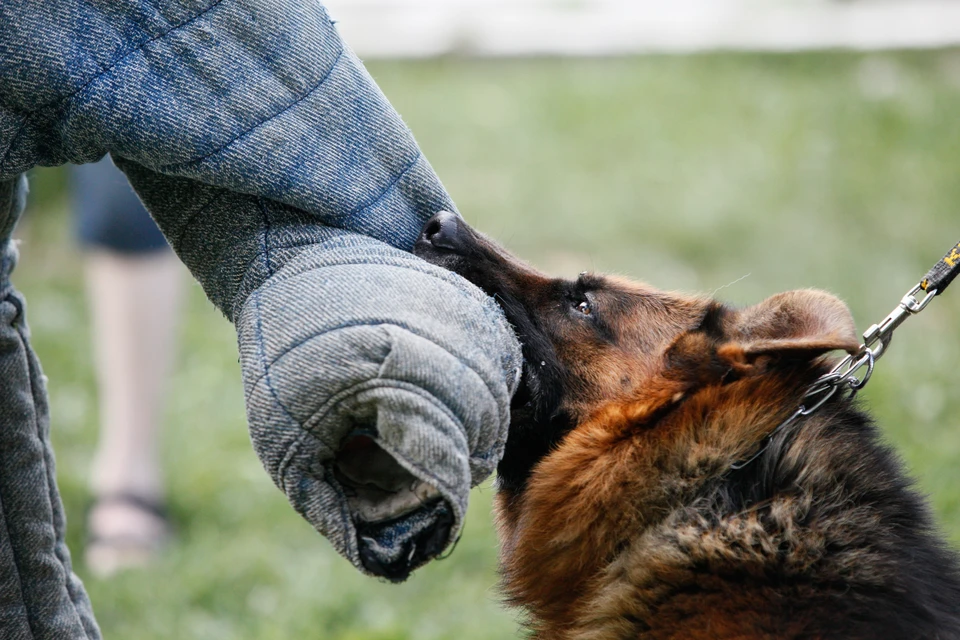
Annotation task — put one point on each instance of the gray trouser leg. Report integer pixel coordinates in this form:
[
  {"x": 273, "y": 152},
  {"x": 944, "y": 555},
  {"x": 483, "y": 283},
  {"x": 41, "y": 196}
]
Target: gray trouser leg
[{"x": 40, "y": 597}]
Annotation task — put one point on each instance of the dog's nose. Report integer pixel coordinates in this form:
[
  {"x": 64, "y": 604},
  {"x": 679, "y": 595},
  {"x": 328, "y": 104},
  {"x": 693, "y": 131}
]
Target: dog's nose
[{"x": 443, "y": 231}]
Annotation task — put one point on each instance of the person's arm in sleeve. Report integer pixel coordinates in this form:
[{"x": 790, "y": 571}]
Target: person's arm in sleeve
[{"x": 293, "y": 191}]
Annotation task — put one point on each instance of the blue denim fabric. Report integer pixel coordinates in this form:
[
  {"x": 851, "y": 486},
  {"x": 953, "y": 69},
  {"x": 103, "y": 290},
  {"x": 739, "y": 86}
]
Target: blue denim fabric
[
  {"x": 292, "y": 191},
  {"x": 40, "y": 598}
]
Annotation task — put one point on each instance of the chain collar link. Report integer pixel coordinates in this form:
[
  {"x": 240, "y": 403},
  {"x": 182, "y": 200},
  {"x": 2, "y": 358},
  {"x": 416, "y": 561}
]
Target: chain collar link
[{"x": 854, "y": 371}]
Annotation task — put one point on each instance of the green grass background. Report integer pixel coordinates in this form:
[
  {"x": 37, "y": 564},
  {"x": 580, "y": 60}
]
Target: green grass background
[{"x": 741, "y": 174}]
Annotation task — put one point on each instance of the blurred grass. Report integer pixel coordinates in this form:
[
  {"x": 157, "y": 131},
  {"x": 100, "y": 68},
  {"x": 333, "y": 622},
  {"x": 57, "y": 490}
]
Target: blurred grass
[{"x": 741, "y": 173}]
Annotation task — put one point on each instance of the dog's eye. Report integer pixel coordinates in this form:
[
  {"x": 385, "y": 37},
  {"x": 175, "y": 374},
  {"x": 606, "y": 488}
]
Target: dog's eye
[{"x": 584, "y": 308}]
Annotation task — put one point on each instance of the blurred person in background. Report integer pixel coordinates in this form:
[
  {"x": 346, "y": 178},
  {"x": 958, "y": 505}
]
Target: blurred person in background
[{"x": 134, "y": 289}]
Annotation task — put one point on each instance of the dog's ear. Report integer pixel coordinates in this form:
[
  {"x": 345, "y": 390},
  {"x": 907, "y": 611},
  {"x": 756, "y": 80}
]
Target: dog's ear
[{"x": 797, "y": 324}]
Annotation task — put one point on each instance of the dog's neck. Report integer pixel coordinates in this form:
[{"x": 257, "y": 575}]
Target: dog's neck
[
  {"x": 566, "y": 517},
  {"x": 527, "y": 444}
]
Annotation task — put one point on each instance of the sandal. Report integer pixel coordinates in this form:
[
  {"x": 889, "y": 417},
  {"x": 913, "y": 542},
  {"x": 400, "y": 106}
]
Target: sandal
[{"x": 124, "y": 531}]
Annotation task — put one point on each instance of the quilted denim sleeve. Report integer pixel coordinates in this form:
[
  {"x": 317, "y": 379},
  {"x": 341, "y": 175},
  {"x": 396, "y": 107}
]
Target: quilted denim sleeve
[{"x": 377, "y": 386}]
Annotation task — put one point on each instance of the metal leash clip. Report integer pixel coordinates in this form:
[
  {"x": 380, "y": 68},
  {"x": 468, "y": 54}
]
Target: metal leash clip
[
  {"x": 876, "y": 339},
  {"x": 908, "y": 306}
]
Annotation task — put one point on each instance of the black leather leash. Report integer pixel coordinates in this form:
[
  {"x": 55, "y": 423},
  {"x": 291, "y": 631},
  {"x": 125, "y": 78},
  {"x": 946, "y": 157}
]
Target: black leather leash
[
  {"x": 847, "y": 374},
  {"x": 939, "y": 278}
]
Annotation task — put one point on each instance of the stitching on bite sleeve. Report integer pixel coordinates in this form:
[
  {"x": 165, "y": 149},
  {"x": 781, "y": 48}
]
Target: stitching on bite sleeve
[
  {"x": 110, "y": 67},
  {"x": 180, "y": 165}
]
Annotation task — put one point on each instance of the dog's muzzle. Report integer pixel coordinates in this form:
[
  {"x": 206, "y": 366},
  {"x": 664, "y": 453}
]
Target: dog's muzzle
[
  {"x": 443, "y": 232},
  {"x": 445, "y": 240}
]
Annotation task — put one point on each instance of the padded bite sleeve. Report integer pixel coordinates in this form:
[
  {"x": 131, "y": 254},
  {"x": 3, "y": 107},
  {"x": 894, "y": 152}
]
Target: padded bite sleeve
[
  {"x": 292, "y": 190},
  {"x": 345, "y": 339}
]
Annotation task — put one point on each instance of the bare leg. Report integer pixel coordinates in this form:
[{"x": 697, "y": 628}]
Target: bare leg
[{"x": 135, "y": 303}]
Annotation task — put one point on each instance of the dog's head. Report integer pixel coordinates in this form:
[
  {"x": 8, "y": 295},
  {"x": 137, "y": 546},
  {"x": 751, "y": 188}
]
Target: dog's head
[{"x": 598, "y": 341}]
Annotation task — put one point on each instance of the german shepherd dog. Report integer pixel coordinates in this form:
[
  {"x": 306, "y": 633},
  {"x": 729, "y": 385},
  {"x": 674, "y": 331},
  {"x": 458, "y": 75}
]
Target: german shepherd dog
[{"x": 619, "y": 513}]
